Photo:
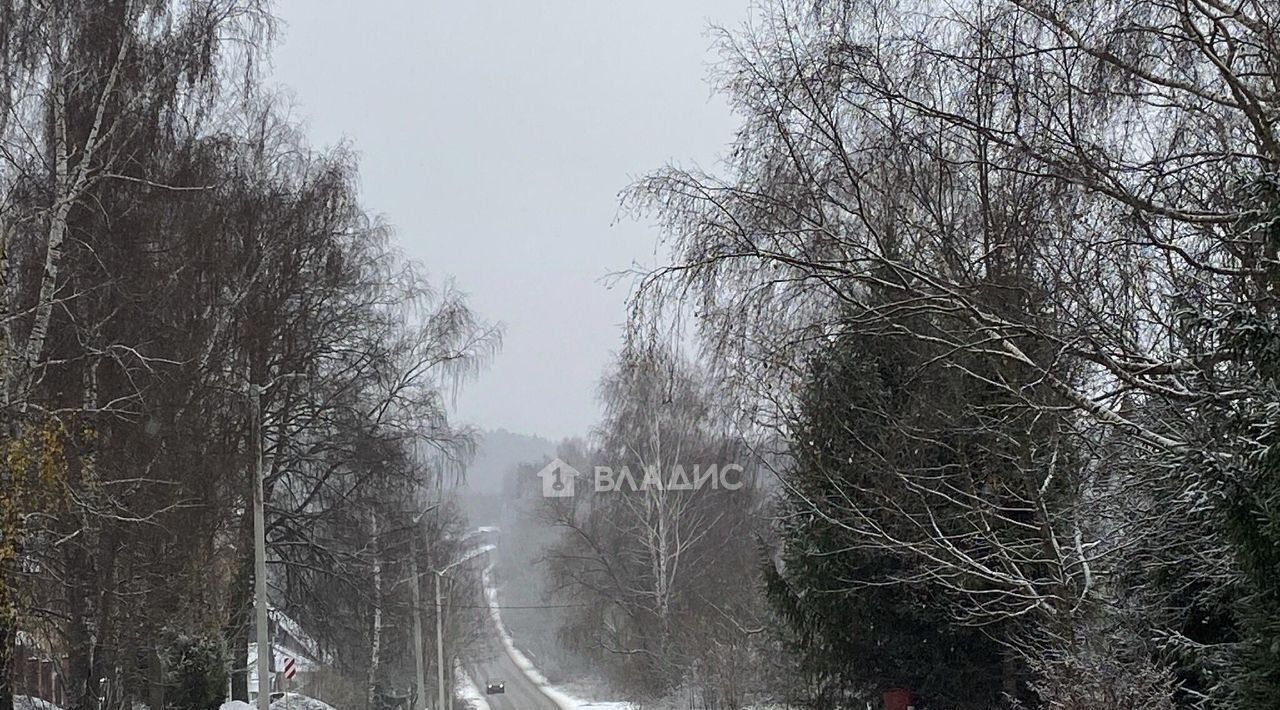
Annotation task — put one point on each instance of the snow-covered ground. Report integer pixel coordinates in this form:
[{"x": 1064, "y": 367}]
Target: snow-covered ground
[
  {"x": 581, "y": 690},
  {"x": 557, "y": 695},
  {"x": 297, "y": 701},
  {"x": 291, "y": 701},
  {"x": 467, "y": 690},
  {"x": 26, "y": 702}
]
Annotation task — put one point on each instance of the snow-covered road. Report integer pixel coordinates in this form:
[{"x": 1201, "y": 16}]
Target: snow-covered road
[
  {"x": 526, "y": 687},
  {"x": 521, "y": 692},
  {"x": 502, "y": 661}
]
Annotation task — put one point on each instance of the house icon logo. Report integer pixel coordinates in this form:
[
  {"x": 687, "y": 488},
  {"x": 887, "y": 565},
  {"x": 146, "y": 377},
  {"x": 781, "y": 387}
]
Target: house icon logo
[{"x": 557, "y": 479}]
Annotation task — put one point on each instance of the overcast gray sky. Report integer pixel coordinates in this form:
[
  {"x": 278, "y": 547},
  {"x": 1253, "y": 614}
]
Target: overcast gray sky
[{"x": 495, "y": 137}]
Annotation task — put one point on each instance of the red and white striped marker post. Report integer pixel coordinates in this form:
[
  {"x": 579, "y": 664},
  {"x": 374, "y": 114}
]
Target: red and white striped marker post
[{"x": 290, "y": 670}]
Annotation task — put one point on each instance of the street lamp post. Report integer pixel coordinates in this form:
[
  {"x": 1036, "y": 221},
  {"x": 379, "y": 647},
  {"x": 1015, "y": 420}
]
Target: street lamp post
[
  {"x": 420, "y": 663},
  {"x": 260, "y": 552},
  {"x": 265, "y": 650},
  {"x": 415, "y": 576},
  {"x": 440, "y": 662}
]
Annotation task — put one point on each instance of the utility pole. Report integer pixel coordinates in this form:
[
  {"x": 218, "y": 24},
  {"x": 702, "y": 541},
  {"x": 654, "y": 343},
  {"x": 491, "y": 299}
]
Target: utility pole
[
  {"x": 260, "y": 553},
  {"x": 440, "y": 642},
  {"x": 419, "y": 662}
]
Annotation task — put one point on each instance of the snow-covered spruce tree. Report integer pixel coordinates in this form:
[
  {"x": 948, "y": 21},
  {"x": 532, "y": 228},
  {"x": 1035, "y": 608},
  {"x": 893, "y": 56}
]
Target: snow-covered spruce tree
[
  {"x": 1201, "y": 580},
  {"x": 196, "y": 672},
  {"x": 1250, "y": 483},
  {"x": 914, "y": 519},
  {"x": 1253, "y": 504}
]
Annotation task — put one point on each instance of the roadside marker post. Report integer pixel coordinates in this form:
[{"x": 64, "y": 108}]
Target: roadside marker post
[{"x": 290, "y": 670}]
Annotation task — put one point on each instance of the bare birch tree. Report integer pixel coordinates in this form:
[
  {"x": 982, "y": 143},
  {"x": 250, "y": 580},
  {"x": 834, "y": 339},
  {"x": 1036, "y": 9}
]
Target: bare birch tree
[
  {"x": 653, "y": 556},
  {"x": 1046, "y": 196}
]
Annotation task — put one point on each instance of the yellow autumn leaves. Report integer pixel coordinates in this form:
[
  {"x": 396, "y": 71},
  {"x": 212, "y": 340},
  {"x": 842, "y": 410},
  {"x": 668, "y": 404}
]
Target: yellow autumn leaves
[{"x": 32, "y": 480}]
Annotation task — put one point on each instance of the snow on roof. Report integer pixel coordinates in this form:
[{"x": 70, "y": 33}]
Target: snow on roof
[
  {"x": 304, "y": 665},
  {"x": 295, "y": 630}
]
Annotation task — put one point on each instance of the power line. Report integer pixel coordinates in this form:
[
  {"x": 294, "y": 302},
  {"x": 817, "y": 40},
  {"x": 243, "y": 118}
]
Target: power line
[{"x": 518, "y": 606}]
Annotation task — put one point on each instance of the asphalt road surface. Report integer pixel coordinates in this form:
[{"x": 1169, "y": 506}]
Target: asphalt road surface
[{"x": 495, "y": 665}]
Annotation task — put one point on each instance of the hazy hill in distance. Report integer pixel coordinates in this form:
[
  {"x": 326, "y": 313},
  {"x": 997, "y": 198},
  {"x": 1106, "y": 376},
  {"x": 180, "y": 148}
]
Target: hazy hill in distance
[{"x": 497, "y": 455}]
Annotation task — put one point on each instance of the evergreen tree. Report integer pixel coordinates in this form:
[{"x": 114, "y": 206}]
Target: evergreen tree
[
  {"x": 859, "y": 621},
  {"x": 197, "y": 669}
]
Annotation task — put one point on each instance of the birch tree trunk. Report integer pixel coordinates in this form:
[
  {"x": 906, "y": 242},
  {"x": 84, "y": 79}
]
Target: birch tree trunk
[{"x": 69, "y": 185}]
